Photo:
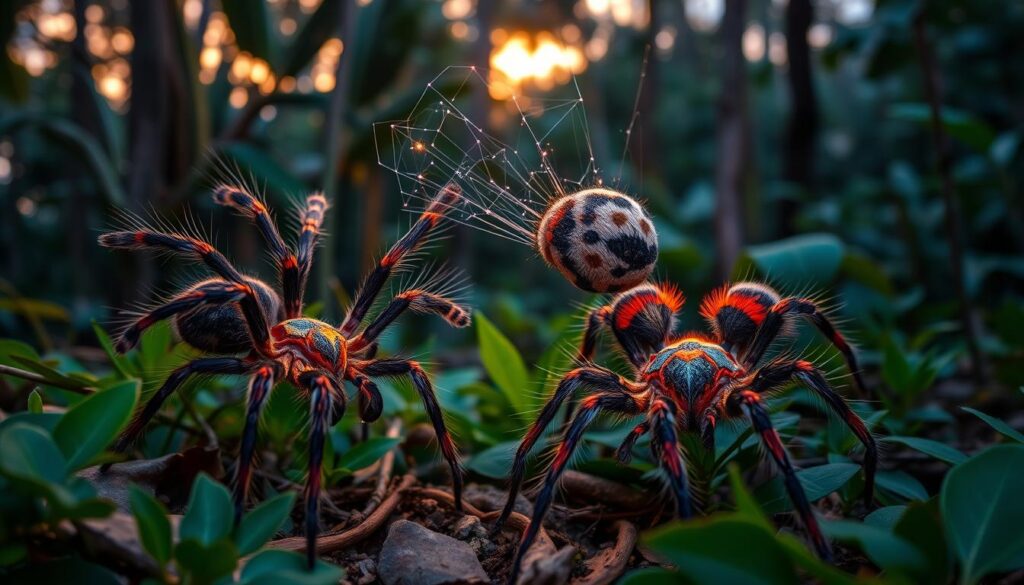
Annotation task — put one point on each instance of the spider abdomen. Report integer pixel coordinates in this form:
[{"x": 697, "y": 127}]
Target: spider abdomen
[
  {"x": 601, "y": 240},
  {"x": 221, "y": 328}
]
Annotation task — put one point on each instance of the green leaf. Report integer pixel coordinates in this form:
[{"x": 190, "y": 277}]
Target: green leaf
[
  {"x": 277, "y": 566},
  {"x": 817, "y": 482},
  {"x": 901, "y": 484},
  {"x": 206, "y": 563},
  {"x": 651, "y": 576},
  {"x": 921, "y": 526},
  {"x": 495, "y": 461},
  {"x": 210, "y": 512},
  {"x": 366, "y": 453},
  {"x": 154, "y": 527},
  {"x": 746, "y": 505},
  {"x": 884, "y": 548},
  {"x": 811, "y": 259},
  {"x": 982, "y": 512},
  {"x": 938, "y": 450},
  {"x": 1000, "y": 427},
  {"x": 108, "y": 346},
  {"x": 35, "y": 402},
  {"x": 260, "y": 524},
  {"x": 503, "y": 363},
  {"x": 89, "y": 426},
  {"x": 27, "y": 453},
  {"x": 707, "y": 551},
  {"x": 886, "y": 517},
  {"x": 35, "y": 308}
]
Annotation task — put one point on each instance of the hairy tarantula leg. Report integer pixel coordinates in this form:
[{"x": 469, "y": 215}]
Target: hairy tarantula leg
[
  {"x": 259, "y": 389},
  {"x": 429, "y": 219},
  {"x": 288, "y": 266},
  {"x": 213, "y": 293},
  {"x": 750, "y": 403},
  {"x": 312, "y": 219},
  {"x": 776, "y": 318},
  {"x": 777, "y": 373},
  {"x": 370, "y": 402},
  {"x": 589, "y": 409},
  {"x": 585, "y": 353},
  {"x": 222, "y": 365},
  {"x": 196, "y": 249},
  {"x": 322, "y": 410},
  {"x": 624, "y": 453},
  {"x": 579, "y": 378},
  {"x": 419, "y": 301},
  {"x": 426, "y": 391},
  {"x": 665, "y": 447}
]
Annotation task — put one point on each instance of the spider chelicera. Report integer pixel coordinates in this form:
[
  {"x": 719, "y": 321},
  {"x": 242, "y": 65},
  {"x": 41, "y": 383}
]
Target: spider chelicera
[
  {"x": 688, "y": 384},
  {"x": 266, "y": 337}
]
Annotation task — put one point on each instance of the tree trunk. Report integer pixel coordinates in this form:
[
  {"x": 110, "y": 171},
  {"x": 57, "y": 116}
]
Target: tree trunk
[
  {"x": 802, "y": 127},
  {"x": 732, "y": 140}
]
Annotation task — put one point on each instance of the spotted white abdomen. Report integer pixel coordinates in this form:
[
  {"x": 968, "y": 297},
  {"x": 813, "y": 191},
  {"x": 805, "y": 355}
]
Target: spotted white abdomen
[{"x": 599, "y": 239}]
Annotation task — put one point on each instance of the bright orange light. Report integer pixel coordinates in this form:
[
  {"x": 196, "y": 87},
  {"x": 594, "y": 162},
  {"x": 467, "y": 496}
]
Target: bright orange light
[{"x": 542, "y": 60}]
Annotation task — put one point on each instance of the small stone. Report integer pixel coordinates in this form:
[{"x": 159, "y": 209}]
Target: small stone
[
  {"x": 469, "y": 526},
  {"x": 414, "y": 555}
]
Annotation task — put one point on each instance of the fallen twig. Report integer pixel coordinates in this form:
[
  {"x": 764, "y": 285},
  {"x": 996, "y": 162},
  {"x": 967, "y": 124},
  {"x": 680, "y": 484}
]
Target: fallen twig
[
  {"x": 34, "y": 377},
  {"x": 606, "y": 566},
  {"x": 333, "y": 542},
  {"x": 387, "y": 463},
  {"x": 588, "y": 488}
]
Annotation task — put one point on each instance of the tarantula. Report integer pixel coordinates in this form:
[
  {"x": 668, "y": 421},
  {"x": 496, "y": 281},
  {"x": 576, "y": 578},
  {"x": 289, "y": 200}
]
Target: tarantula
[
  {"x": 688, "y": 384},
  {"x": 269, "y": 339}
]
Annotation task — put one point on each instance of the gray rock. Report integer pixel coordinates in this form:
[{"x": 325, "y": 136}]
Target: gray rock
[{"x": 414, "y": 555}]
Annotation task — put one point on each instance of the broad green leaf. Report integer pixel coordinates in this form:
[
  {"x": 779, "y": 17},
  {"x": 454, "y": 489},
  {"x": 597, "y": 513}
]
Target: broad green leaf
[
  {"x": 154, "y": 527},
  {"x": 1000, "y": 427},
  {"x": 706, "y": 551},
  {"x": 503, "y": 364},
  {"x": 366, "y": 453},
  {"x": 44, "y": 420},
  {"x": 982, "y": 512},
  {"x": 495, "y": 462},
  {"x": 885, "y": 518},
  {"x": 28, "y": 453},
  {"x": 51, "y": 375},
  {"x": 811, "y": 259},
  {"x": 262, "y": 522},
  {"x": 35, "y": 402},
  {"x": 746, "y": 505},
  {"x": 210, "y": 512},
  {"x": 652, "y": 576},
  {"x": 901, "y": 484},
  {"x": 89, "y": 426},
  {"x": 921, "y": 526},
  {"x": 277, "y": 566},
  {"x": 817, "y": 482},
  {"x": 206, "y": 563},
  {"x": 884, "y": 548},
  {"x": 940, "y": 451}
]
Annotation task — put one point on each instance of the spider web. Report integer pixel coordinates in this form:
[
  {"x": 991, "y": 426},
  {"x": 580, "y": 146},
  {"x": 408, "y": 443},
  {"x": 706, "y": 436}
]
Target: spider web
[{"x": 507, "y": 184}]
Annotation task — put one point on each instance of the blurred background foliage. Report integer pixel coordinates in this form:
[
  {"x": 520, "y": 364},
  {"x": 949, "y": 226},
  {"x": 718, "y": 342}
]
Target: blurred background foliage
[{"x": 865, "y": 151}]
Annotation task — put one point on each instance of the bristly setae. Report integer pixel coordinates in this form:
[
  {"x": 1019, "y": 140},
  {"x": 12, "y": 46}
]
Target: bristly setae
[
  {"x": 688, "y": 384},
  {"x": 268, "y": 339}
]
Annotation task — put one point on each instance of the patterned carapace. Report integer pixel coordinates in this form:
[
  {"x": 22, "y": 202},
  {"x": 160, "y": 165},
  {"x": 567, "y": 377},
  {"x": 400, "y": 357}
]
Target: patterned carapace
[
  {"x": 271, "y": 340},
  {"x": 599, "y": 239},
  {"x": 688, "y": 384}
]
